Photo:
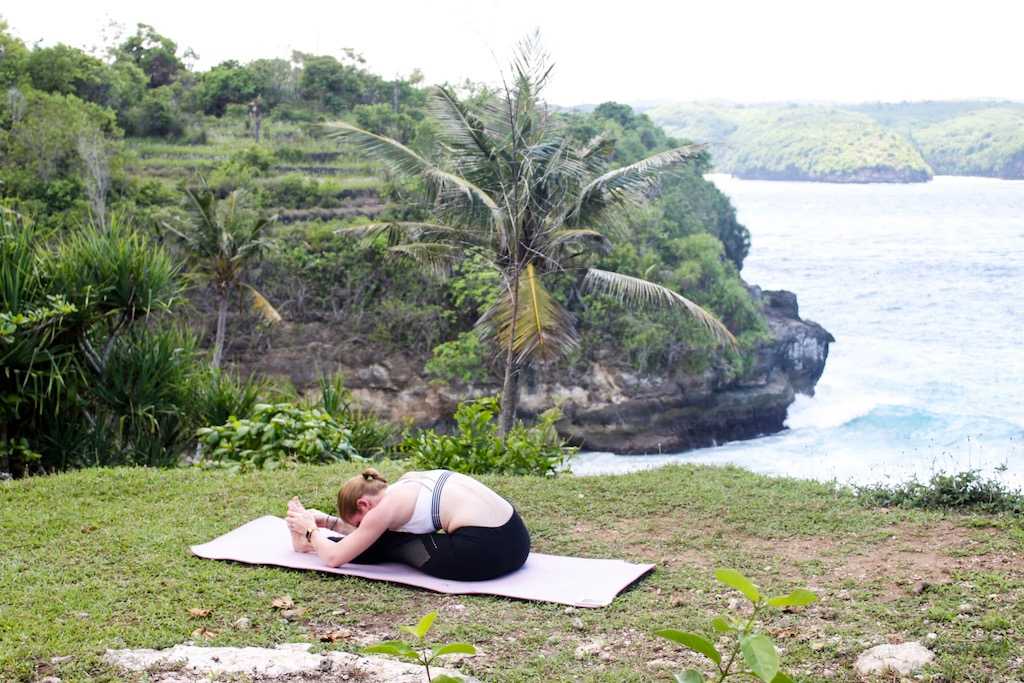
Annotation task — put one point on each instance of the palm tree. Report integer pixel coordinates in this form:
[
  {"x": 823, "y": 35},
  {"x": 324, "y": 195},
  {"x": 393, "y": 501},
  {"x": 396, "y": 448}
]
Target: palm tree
[
  {"x": 508, "y": 181},
  {"x": 222, "y": 240}
]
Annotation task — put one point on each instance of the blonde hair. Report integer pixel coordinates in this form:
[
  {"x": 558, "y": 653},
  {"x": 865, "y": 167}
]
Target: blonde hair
[{"x": 369, "y": 483}]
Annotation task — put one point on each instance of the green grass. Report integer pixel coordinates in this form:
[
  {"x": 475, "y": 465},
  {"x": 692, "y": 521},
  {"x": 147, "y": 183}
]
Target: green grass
[{"x": 99, "y": 559}]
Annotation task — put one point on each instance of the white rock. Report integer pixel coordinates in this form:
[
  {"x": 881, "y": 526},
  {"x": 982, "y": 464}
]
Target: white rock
[
  {"x": 591, "y": 647},
  {"x": 191, "y": 664},
  {"x": 903, "y": 659}
]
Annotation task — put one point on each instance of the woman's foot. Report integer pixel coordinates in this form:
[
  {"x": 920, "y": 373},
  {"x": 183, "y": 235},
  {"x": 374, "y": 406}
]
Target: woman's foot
[{"x": 299, "y": 542}]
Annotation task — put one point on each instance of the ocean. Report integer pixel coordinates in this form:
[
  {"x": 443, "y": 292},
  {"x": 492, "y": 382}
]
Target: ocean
[{"x": 922, "y": 286}]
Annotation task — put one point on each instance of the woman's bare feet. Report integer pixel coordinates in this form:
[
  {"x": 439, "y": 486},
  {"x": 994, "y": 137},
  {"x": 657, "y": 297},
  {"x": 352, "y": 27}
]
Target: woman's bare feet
[{"x": 299, "y": 542}]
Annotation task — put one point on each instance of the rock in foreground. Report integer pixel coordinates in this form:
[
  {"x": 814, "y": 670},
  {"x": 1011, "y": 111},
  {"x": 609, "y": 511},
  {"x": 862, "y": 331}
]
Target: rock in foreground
[
  {"x": 287, "y": 662},
  {"x": 901, "y": 659}
]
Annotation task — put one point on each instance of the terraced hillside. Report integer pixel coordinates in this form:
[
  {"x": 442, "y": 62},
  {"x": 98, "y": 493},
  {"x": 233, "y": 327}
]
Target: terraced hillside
[{"x": 292, "y": 174}]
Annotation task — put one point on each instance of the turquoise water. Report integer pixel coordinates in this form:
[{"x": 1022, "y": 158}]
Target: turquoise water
[{"x": 923, "y": 287}]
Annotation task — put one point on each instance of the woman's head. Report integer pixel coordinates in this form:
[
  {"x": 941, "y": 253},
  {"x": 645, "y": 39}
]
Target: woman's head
[{"x": 359, "y": 495}]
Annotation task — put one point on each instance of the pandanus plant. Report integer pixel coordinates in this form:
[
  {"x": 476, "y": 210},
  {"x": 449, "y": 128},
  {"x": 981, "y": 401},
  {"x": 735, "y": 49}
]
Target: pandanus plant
[{"x": 508, "y": 181}]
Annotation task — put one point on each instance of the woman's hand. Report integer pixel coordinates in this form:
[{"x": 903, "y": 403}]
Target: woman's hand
[
  {"x": 322, "y": 519},
  {"x": 299, "y": 520}
]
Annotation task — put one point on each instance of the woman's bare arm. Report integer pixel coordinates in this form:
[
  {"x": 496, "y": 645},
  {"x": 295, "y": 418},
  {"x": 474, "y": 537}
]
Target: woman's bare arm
[
  {"x": 373, "y": 526},
  {"x": 332, "y": 522}
]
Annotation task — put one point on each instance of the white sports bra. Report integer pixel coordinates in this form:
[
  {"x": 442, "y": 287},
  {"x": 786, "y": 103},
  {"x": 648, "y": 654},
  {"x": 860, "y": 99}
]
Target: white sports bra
[{"x": 426, "y": 516}]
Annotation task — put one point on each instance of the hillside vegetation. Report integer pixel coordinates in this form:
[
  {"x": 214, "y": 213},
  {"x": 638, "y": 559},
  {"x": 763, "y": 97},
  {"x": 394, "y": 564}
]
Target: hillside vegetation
[
  {"x": 116, "y": 171},
  {"x": 872, "y": 142},
  {"x": 988, "y": 142},
  {"x": 798, "y": 143}
]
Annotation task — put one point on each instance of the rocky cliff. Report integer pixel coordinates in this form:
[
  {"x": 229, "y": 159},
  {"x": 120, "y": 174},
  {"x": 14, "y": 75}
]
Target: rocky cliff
[{"x": 607, "y": 406}]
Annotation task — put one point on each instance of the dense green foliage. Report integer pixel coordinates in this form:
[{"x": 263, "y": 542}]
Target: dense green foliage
[
  {"x": 275, "y": 435},
  {"x": 797, "y": 143},
  {"x": 962, "y": 491},
  {"x": 475, "y": 448},
  {"x": 856, "y": 142},
  {"x": 90, "y": 144},
  {"x": 989, "y": 142},
  {"x": 94, "y": 370}
]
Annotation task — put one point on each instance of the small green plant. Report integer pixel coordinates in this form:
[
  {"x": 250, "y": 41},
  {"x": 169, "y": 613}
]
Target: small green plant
[
  {"x": 960, "y": 491},
  {"x": 751, "y": 647},
  {"x": 277, "y": 434},
  {"x": 422, "y": 653},
  {"x": 476, "y": 448},
  {"x": 371, "y": 436}
]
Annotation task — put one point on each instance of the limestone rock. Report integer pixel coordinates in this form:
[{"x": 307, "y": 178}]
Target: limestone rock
[
  {"x": 902, "y": 659},
  {"x": 286, "y": 662},
  {"x": 607, "y": 405}
]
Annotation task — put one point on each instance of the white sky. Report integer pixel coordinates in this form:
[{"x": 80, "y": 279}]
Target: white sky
[{"x": 633, "y": 51}]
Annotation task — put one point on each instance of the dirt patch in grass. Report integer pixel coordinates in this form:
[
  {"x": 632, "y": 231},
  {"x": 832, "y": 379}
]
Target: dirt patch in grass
[{"x": 906, "y": 556}]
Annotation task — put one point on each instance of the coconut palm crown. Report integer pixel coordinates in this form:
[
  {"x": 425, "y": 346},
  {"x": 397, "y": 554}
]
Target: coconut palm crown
[
  {"x": 221, "y": 241},
  {"x": 507, "y": 180}
]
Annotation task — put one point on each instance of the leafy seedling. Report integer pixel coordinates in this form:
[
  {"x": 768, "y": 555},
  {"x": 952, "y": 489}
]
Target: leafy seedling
[
  {"x": 424, "y": 653},
  {"x": 751, "y": 647}
]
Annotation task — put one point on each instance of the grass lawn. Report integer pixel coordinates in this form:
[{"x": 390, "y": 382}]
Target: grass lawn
[{"x": 99, "y": 559}]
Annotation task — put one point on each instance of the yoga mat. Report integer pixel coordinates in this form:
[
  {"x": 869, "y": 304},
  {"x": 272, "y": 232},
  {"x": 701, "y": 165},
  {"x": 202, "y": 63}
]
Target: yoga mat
[{"x": 576, "y": 581}]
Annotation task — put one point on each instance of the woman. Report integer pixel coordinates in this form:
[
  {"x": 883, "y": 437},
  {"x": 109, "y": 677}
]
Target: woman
[{"x": 483, "y": 536}]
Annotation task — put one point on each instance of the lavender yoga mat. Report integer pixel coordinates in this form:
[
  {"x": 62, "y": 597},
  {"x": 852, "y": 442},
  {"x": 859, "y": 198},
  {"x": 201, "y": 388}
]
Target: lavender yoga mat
[{"x": 576, "y": 581}]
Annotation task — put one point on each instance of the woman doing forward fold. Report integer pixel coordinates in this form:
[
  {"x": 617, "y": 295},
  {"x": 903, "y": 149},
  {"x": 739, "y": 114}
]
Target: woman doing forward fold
[{"x": 443, "y": 523}]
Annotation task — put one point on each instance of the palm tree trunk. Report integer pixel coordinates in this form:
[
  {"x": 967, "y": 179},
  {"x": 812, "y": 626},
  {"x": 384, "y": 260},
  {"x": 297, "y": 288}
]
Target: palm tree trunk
[
  {"x": 222, "y": 324},
  {"x": 510, "y": 385}
]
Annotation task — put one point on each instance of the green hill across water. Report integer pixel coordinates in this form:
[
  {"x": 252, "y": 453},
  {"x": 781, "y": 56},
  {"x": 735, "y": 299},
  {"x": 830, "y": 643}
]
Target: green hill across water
[{"x": 874, "y": 142}]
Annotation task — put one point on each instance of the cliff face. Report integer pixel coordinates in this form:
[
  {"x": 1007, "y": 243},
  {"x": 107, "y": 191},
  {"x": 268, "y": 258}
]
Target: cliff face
[{"x": 606, "y": 406}]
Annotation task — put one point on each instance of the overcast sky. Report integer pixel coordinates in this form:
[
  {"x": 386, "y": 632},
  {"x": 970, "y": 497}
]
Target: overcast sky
[{"x": 631, "y": 51}]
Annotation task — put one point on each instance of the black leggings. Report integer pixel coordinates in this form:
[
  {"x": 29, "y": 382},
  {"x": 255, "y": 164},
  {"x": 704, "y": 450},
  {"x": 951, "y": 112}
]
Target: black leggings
[{"x": 470, "y": 553}]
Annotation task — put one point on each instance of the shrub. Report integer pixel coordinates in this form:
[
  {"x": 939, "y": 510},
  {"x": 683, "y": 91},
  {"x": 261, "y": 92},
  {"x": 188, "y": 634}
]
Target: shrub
[
  {"x": 275, "y": 435},
  {"x": 91, "y": 377},
  {"x": 962, "y": 491},
  {"x": 241, "y": 169},
  {"x": 370, "y": 436},
  {"x": 144, "y": 397},
  {"x": 459, "y": 359},
  {"x": 220, "y": 395},
  {"x": 476, "y": 448},
  {"x": 158, "y": 114}
]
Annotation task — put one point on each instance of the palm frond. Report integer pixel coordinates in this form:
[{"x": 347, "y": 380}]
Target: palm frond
[
  {"x": 437, "y": 257},
  {"x": 396, "y": 232},
  {"x": 392, "y": 153},
  {"x": 544, "y": 329},
  {"x": 577, "y": 235},
  {"x": 634, "y": 290},
  {"x": 629, "y": 184},
  {"x": 405, "y": 161},
  {"x": 461, "y": 128},
  {"x": 261, "y": 305}
]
